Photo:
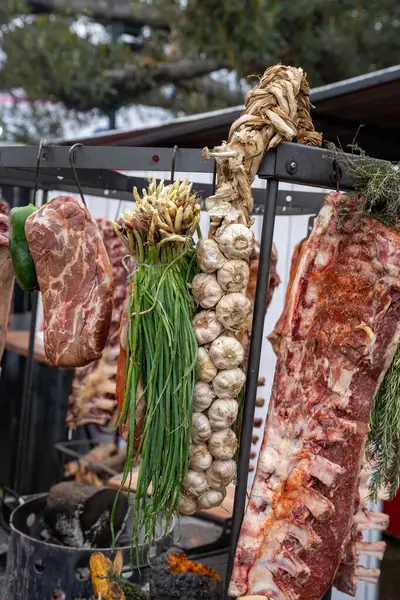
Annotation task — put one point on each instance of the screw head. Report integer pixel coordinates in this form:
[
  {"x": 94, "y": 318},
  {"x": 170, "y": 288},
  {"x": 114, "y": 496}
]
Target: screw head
[{"x": 291, "y": 167}]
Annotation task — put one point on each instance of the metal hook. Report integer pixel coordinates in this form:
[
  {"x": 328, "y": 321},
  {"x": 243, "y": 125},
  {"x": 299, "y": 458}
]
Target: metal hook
[
  {"x": 310, "y": 224},
  {"x": 71, "y": 156},
  {"x": 214, "y": 179},
  {"x": 337, "y": 171},
  {"x": 175, "y": 150},
  {"x": 118, "y": 210},
  {"x": 39, "y": 156}
]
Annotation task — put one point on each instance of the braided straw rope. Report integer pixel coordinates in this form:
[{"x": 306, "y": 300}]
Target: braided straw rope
[{"x": 276, "y": 110}]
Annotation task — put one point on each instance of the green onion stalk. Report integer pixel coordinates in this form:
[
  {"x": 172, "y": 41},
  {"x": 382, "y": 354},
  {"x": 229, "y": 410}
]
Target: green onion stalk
[{"x": 161, "y": 349}]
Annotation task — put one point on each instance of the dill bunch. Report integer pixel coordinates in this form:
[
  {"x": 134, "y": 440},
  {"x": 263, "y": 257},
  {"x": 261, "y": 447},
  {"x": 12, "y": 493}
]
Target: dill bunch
[
  {"x": 384, "y": 436},
  {"x": 377, "y": 182}
]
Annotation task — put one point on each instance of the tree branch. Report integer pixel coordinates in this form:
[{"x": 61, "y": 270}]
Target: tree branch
[
  {"x": 162, "y": 73},
  {"x": 212, "y": 90},
  {"x": 132, "y": 13}
]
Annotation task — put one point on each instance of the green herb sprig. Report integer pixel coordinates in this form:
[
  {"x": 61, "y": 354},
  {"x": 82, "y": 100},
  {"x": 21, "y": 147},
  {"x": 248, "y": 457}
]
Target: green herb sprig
[
  {"x": 384, "y": 436},
  {"x": 376, "y": 181}
]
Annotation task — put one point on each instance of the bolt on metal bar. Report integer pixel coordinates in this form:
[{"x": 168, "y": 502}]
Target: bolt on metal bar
[{"x": 257, "y": 331}]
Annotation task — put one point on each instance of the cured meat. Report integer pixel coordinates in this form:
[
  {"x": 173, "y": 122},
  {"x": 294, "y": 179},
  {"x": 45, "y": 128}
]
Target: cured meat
[
  {"x": 6, "y": 276},
  {"x": 348, "y": 572},
  {"x": 141, "y": 405},
  {"x": 75, "y": 279},
  {"x": 275, "y": 336},
  {"x": 274, "y": 281},
  {"x": 93, "y": 400},
  {"x": 345, "y": 579},
  {"x": 340, "y": 332}
]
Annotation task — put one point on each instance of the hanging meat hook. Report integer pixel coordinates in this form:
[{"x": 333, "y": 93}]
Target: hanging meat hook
[
  {"x": 38, "y": 159},
  {"x": 72, "y": 158},
  {"x": 337, "y": 173},
  {"x": 175, "y": 150}
]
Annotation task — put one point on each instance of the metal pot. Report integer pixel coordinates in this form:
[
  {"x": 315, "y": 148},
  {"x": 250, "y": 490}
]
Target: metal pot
[{"x": 39, "y": 570}]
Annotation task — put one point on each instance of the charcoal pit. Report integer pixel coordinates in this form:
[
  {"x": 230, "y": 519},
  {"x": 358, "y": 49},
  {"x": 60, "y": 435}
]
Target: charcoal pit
[{"x": 40, "y": 568}]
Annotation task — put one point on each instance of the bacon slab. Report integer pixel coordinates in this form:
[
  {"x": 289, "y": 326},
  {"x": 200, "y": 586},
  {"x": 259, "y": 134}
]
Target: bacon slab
[
  {"x": 75, "y": 279},
  {"x": 340, "y": 332}
]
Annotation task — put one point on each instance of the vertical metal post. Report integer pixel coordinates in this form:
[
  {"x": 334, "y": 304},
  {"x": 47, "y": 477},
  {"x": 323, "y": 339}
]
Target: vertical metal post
[
  {"x": 25, "y": 451},
  {"x": 257, "y": 331}
]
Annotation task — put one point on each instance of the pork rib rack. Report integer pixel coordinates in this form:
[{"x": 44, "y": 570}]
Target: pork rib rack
[{"x": 339, "y": 336}]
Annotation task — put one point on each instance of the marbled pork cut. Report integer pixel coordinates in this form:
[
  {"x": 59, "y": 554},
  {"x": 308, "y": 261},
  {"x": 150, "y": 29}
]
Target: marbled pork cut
[
  {"x": 6, "y": 276},
  {"x": 340, "y": 333},
  {"x": 75, "y": 279},
  {"x": 92, "y": 400}
]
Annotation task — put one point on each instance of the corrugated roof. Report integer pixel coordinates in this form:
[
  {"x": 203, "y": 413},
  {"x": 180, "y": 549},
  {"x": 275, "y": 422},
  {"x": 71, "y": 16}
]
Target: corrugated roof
[{"x": 371, "y": 100}]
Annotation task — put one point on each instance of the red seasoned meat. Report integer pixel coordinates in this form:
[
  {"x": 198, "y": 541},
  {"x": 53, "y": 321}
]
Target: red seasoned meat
[
  {"x": 93, "y": 400},
  {"x": 6, "y": 276},
  {"x": 275, "y": 336},
  {"x": 75, "y": 279},
  {"x": 349, "y": 572},
  {"x": 274, "y": 281},
  {"x": 340, "y": 332}
]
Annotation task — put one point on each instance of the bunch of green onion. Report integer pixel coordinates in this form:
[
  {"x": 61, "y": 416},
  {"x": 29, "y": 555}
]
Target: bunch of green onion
[{"x": 161, "y": 348}]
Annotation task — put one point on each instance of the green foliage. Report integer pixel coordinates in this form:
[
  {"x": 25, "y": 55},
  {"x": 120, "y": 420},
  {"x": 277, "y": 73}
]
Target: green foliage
[
  {"x": 330, "y": 39},
  {"x": 384, "y": 436},
  {"x": 377, "y": 181},
  {"x": 50, "y": 61}
]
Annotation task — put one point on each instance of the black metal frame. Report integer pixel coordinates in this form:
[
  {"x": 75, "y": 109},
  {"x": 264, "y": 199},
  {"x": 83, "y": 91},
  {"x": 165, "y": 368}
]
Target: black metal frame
[{"x": 96, "y": 168}]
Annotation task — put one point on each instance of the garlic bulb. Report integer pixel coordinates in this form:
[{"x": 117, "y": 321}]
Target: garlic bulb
[
  {"x": 226, "y": 352},
  {"x": 234, "y": 275},
  {"x": 187, "y": 505},
  {"x": 209, "y": 256},
  {"x": 211, "y": 499},
  {"x": 229, "y": 383},
  {"x": 221, "y": 473},
  {"x": 206, "y": 327},
  {"x": 233, "y": 309},
  {"x": 201, "y": 428},
  {"x": 223, "y": 413},
  {"x": 223, "y": 444},
  {"x": 235, "y": 241},
  {"x": 195, "y": 484},
  {"x": 206, "y": 370},
  {"x": 206, "y": 290},
  {"x": 200, "y": 457},
  {"x": 203, "y": 395}
]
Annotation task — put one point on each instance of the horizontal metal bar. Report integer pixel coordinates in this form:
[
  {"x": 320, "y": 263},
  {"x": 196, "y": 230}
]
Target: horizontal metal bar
[
  {"x": 293, "y": 163},
  {"x": 289, "y": 202},
  {"x": 106, "y": 157},
  {"x": 305, "y": 165}
]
